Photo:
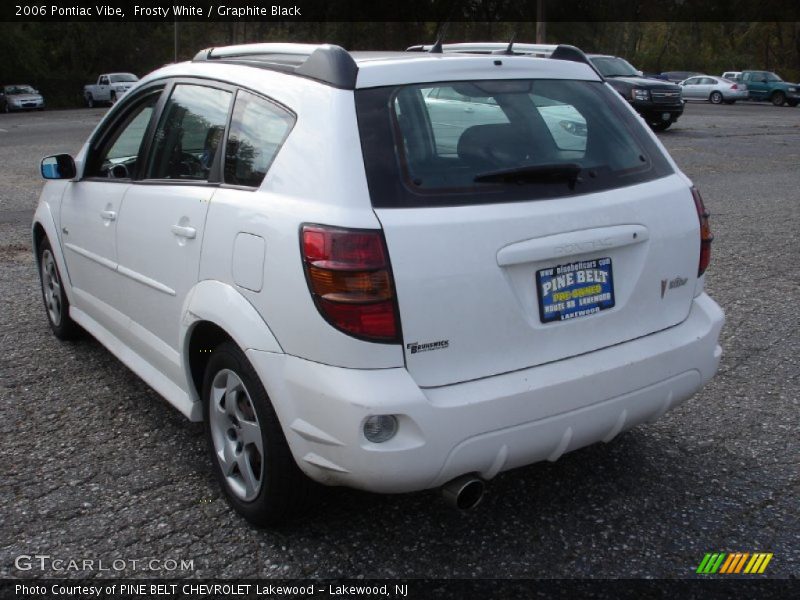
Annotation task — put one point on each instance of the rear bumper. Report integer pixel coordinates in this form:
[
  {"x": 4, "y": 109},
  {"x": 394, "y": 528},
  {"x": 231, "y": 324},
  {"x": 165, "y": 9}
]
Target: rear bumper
[{"x": 489, "y": 425}]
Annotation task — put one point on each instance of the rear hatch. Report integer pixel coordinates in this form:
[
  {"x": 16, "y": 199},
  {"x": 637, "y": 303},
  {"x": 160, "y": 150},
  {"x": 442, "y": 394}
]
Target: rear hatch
[{"x": 526, "y": 223}]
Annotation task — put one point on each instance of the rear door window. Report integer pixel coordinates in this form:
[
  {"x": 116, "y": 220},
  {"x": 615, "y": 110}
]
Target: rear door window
[
  {"x": 258, "y": 130},
  {"x": 189, "y": 133}
]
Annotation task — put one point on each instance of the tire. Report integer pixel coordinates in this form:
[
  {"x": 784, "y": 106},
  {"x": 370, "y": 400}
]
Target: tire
[
  {"x": 793, "y": 103},
  {"x": 249, "y": 453},
  {"x": 778, "y": 98},
  {"x": 660, "y": 125},
  {"x": 715, "y": 98},
  {"x": 89, "y": 101},
  {"x": 56, "y": 303},
  {"x": 6, "y": 109}
]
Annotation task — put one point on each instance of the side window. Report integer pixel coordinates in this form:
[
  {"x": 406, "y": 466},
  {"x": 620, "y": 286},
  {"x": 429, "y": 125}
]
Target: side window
[
  {"x": 258, "y": 130},
  {"x": 117, "y": 156},
  {"x": 104, "y": 81},
  {"x": 189, "y": 133}
]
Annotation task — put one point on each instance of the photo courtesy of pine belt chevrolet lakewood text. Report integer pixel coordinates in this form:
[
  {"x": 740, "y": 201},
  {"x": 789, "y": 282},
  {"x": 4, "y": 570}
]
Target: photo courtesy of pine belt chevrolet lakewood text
[{"x": 392, "y": 271}]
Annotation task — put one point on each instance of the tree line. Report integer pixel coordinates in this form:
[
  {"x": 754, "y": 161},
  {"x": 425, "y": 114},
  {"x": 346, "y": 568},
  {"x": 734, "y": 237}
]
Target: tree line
[{"x": 59, "y": 58}]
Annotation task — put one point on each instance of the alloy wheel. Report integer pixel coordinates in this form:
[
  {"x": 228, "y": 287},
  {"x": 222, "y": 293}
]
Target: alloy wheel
[
  {"x": 51, "y": 285},
  {"x": 236, "y": 434}
]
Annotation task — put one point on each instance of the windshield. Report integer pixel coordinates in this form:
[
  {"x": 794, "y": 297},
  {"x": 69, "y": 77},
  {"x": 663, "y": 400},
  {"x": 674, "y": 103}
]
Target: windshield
[
  {"x": 13, "y": 90},
  {"x": 491, "y": 140},
  {"x": 123, "y": 77},
  {"x": 611, "y": 66}
]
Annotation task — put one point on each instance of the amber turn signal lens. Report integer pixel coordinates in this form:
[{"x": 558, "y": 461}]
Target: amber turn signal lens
[{"x": 350, "y": 286}]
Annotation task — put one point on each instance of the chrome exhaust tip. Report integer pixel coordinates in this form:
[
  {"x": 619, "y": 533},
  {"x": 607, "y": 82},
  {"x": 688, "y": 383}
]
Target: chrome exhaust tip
[{"x": 464, "y": 493}]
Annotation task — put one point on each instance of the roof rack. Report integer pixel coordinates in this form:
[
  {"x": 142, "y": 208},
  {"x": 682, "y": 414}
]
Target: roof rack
[
  {"x": 326, "y": 63},
  {"x": 557, "y": 52}
]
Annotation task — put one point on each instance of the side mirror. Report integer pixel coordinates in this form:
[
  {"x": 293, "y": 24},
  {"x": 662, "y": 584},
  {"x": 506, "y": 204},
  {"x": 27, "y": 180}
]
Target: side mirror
[{"x": 60, "y": 166}]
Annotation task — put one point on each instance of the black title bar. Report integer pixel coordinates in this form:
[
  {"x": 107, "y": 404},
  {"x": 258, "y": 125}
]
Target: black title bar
[{"x": 405, "y": 10}]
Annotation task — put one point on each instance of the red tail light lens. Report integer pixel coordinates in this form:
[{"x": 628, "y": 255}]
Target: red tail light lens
[
  {"x": 706, "y": 236},
  {"x": 734, "y": 87},
  {"x": 349, "y": 276}
]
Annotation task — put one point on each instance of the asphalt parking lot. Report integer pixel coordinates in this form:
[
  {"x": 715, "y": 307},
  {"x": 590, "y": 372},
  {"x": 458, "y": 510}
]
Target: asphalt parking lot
[{"x": 94, "y": 465}]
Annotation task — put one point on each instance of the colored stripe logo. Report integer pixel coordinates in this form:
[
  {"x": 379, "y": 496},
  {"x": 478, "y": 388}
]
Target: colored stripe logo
[{"x": 734, "y": 563}]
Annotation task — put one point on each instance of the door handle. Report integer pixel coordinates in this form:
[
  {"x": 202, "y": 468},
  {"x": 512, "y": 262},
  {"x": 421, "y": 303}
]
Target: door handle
[
  {"x": 108, "y": 215},
  {"x": 185, "y": 232}
]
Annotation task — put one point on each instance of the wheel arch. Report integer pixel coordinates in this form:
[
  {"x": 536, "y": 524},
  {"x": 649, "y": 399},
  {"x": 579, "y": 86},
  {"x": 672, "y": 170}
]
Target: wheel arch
[
  {"x": 774, "y": 94},
  {"x": 216, "y": 312},
  {"x": 44, "y": 226}
]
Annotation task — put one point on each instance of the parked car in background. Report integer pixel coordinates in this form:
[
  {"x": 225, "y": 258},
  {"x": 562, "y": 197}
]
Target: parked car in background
[
  {"x": 713, "y": 89},
  {"x": 20, "y": 97},
  {"x": 306, "y": 249},
  {"x": 678, "y": 76},
  {"x": 766, "y": 86},
  {"x": 109, "y": 88},
  {"x": 732, "y": 75},
  {"x": 659, "y": 103}
]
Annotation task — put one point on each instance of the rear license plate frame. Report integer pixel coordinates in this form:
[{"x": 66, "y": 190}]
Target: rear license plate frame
[{"x": 575, "y": 290}]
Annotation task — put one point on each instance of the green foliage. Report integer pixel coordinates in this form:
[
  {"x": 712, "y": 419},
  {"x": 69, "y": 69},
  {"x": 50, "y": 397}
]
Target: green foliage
[{"x": 59, "y": 58}]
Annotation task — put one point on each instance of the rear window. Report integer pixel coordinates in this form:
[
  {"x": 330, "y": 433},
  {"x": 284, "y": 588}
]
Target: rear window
[{"x": 473, "y": 142}]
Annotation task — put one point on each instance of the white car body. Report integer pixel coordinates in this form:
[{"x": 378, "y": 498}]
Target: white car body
[
  {"x": 110, "y": 87},
  {"x": 146, "y": 263}
]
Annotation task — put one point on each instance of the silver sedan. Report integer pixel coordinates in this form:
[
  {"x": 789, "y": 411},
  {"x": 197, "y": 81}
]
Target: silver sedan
[{"x": 713, "y": 89}]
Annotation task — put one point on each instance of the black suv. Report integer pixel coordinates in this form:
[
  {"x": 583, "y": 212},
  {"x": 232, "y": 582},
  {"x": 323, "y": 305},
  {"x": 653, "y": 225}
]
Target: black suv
[{"x": 659, "y": 102}]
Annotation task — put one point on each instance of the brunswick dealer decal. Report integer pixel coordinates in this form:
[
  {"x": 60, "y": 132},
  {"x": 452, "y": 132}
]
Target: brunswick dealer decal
[{"x": 415, "y": 347}]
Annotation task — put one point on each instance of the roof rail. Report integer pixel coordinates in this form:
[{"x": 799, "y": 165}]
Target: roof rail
[
  {"x": 490, "y": 48},
  {"x": 326, "y": 63},
  {"x": 558, "y": 52}
]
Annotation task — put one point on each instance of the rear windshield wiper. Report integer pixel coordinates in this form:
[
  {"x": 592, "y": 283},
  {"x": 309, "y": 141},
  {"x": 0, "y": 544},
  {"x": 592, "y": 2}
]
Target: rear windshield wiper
[{"x": 533, "y": 174}]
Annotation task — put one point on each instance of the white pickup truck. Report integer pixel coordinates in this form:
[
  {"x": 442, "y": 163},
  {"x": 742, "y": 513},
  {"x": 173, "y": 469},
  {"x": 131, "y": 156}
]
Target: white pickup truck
[{"x": 110, "y": 87}]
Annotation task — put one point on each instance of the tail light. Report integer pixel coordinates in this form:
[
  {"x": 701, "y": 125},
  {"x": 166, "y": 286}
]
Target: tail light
[
  {"x": 705, "y": 232},
  {"x": 734, "y": 87},
  {"x": 350, "y": 279}
]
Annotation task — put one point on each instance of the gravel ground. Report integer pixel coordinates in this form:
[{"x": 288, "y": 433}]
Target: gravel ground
[{"x": 94, "y": 465}]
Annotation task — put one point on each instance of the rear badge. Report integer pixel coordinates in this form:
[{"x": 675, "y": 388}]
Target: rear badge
[
  {"x": 671, "y": 285},
  {"x": 415, "y": 347}
]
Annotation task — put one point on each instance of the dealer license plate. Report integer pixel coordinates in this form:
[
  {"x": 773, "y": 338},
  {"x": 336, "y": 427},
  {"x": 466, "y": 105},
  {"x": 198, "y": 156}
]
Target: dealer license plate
[
  {"x": 666, "y": 116},
  {"x": 575, "y": 290}
]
